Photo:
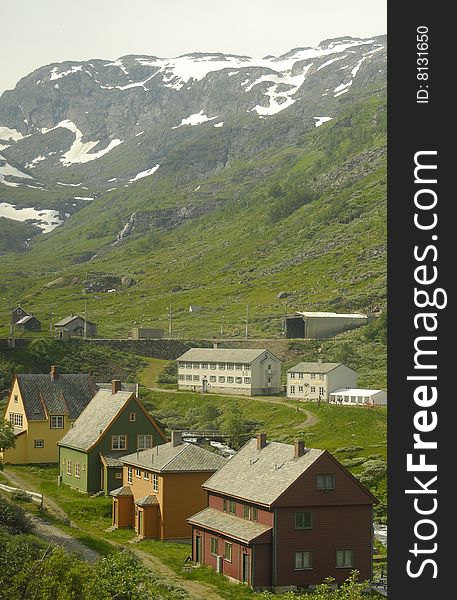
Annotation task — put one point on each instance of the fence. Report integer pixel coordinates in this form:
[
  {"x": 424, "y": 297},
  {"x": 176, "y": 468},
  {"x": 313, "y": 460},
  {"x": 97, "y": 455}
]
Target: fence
[{"x": 33, "y": 495}]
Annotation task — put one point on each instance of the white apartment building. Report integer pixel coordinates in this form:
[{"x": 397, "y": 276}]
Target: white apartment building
[
  {"x": 317, "y": 380},
  {"x": 250, "y": 372}
]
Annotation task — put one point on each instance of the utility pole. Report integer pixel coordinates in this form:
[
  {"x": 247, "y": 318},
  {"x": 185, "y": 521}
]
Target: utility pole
[
  {"x": 247, "y": 321},
  {"x": 85, "y": 319},
  {"x": 170, "y": 320}
]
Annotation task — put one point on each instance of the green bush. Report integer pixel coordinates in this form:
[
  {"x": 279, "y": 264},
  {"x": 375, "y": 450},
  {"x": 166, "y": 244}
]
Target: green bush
[{"x": 13, "y": 518}]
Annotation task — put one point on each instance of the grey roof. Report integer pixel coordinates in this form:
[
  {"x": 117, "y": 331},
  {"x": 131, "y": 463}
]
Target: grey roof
[
  {"x": 69, "y": 319},
  {"x": 240, "y": 355},
  {"x": 111, "y": 460},
  {"x": 122, "y": 491},
  {"x": 125, "y": 387},
  {"x": 166, "y": 458},
  {"x": 26, "y": 319},
  {"x": 148, "y": 500},
  {"x": 330, "y": 315},
  {"x": 315, "y": 367},
  {"x": 95, "y": 419},
  {"x": 68, "y": 394},
  {"x": 234, "y": 527},
  {"x": 261, "y": 476}
]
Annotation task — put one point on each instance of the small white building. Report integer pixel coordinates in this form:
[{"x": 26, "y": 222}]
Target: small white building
[
  {"x": 309, "y": 381},
  {"x": 358, "y": 397},
  {"x": 250, "y": 372}
]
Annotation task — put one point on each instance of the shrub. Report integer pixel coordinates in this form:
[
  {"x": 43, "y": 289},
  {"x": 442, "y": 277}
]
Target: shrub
[
  {"x": 13, "y": 518},
  {"x": 21, "y": 496}
]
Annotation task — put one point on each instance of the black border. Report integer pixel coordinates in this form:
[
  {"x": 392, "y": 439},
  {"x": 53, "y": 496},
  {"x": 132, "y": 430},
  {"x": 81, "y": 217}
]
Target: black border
[{"x": 414, "y": 127}]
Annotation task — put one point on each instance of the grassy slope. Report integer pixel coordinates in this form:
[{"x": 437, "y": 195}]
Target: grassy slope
[{"x": 330, "y": 251}]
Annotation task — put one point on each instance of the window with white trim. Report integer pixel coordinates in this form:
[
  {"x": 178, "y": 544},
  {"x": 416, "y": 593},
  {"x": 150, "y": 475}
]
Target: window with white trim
[
  {"x": 221, "y": 379},
  {"x": 38, "y": 443},
  {"x": 188, "y": 377},
  {"x": 146, "y": 475},
  {"x": 228, "y": 551},
  {"x": 138, "y": 472},
  {"x": 155, "y": 482},
  {"x": 344, "y": 558},
  {"x": 247, "y": 380},
  {"x": 56, "y": 422},
  {"x": 118, "y": 442},
  {"x": 321, "y": 391},
  {"x": 144, "y": 441},
  {"x": 222, "y": 366},
  {"x": 212, "y": 378},
  {"x": 313, "y": 389},
  {"x": 129, "y": 475},
  {"x": 214, "y": 546},
  {"x": 292, "y": 389},
  {"x": 302, "y": 560},
  {"x": 196, "y": 377},
  {"x": 238, "y": 380},
  {"x": 15, "y": 398},
  {"x": 181, "y": 378},
  {"x": 16, "y": 419},
  {"x": 118, "y": 475},
  {"x": 229, "y": 379},
  {"x": 132, "y": 417},
  {"x": 68, "y": 467},
  {"x": 77, "y": 470}
]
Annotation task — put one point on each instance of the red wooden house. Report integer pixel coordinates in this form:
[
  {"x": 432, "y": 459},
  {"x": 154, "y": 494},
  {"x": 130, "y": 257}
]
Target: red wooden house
[{"x": 284, "y": 517}]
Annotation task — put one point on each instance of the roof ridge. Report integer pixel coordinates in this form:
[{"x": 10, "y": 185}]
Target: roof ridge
[{"x": 185, "y": 446}]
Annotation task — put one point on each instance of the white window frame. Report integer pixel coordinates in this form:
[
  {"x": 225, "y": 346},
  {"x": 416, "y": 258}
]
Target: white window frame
[
  {"x": 38, "y": 443},
  {"x": 116, "y": 442},
  {"x": 155, "y": 482},
  {"x": 77, "y": 470},
  {"x": 132, "y": 417},
  {"x": 142, "y": 441},
  {"x": 68, "y": 466},
  {"x": 129, "y": 475},
  {"x": 17, "y": 419},
  {"x": 55, "y": 420}
]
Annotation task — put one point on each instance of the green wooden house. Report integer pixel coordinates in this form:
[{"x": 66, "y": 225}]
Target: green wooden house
[{"x": 113, "y": 424}]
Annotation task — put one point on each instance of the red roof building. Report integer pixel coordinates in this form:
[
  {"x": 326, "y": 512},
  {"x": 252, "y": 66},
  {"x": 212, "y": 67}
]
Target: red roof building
[{"x": 284, "y": 517}]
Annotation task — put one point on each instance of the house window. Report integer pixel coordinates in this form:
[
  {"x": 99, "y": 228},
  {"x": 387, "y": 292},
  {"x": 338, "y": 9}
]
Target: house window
[
  {"x": 77, "y": 470},
  {"x": 68, "y": 467},
  {"x": 214, "y": 546},
  {"x": 232, "y": 507},
  {"x": 118, "y": 442},
  {"x": 300, "y": 389},
  {"x": 204, "y": 365},
  {"x": 222, "y": 366},
  {"x": 16, "y": 419},
  {"x": 246, "y": 367},
  {"x": 344, "y": 558},
  {"x": 189, "y": 365},
  {"x": 129, "y": 475},
  {"x": 38, "y": 443},
  {"x": 250, "y": 512},
  {"x": 138, "y": 472},
  {"x": 292, "y": 375},
  {"x": 303, "y": 520},
  {"x": 196, "y": 377},
  {"x": 196, "y": 365},
  {"x": 146, "y": 475},
  {"x": 302, "y": 561},
  {"x": 238, "y": 367},
  {"x": 313, "y": 375},
  {"x": 144, "y": 441},
  {"x": 118, "y": 475},
  {"x": 188, "y": 377},
  {"x": 57, "y": 422},
  {"x": 155, "y": 483},
  {"x": 212, "y": 366},
  {"x": 212, "y": 378},
  {"x": 228, "y": 551},
  {"x": 321, "y": 391},
  {"x": 313, "y": 389},
  {"x": 181, "y": 378},
  {"x": 229, "y": 379},
  {"x": 230, "y": 366},
  {"x": 325, "y": 481},
  {"x": 238, "y": 380},
  {"x": 132, "y": 417},
  {"x": 247, "y": 380},
  {"x": 292, "y": 389},
  {"x": 15, "y": 398},
  {"x": 221, "y": 379},
  {"x": 300, "y": 375},
  {"x": 181, "y": 364}
]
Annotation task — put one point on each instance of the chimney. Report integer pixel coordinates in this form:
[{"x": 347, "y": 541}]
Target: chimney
[
  {"x": 115, "y": 386},
  {"x": 299, "y": 448},
  {"x": 54, "y": 372},
  {"x": 176, "y": 438},
  {"x": 319, "y": 361},
  {"x": 261, "y": 440}
]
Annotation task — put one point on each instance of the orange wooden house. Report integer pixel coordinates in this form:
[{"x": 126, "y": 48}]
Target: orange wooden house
[{"x": 162, "y": 488}]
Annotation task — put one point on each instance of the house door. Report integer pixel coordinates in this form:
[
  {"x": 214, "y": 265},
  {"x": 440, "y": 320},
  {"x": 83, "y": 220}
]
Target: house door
[
  {"x": 198, "y": 548},
  {"x": 245, "y": 568},
  {"x": 140, "y": 522}
]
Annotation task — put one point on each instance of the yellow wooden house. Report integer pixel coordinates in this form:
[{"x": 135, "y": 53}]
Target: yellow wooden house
[{"x": 42, "y": 408}]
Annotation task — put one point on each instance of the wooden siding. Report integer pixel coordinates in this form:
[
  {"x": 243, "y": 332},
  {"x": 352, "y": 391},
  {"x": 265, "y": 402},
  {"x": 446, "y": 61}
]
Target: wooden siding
[
  {"x": 261, "y": 565},
  {"x": 264, "y": 515},
  {"x": 334, "y": 527}
]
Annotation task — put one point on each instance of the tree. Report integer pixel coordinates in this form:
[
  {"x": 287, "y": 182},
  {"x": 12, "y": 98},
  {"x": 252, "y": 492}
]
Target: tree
[
  {"x": 233, "y": 425},
  {"x": 7, "y": 437}
]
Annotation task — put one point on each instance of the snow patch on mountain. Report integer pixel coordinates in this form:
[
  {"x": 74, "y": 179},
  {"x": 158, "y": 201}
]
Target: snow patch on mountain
[
  {"x": 7, "y": 170},
  {"x": 195, "y": 119},
  {"x": 47, "y": 220},
  {"x": 342, "y": 89},
  {"x": 144, "y": 173},
  {"x": 320, "y": 120},
  {"x": 9, "y": 134},
  {"x": 56, "y": 75}
]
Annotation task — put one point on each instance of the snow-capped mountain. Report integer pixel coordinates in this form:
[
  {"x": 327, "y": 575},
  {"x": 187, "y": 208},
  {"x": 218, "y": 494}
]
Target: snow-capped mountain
[{"x": 100, "y": 125}]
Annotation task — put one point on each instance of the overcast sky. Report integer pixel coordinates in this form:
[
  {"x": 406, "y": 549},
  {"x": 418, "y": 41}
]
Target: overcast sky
[{"x": 39, "y": 32}]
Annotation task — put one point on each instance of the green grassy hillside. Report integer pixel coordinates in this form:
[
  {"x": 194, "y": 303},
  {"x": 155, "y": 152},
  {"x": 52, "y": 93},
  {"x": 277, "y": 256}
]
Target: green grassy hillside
[{"x": 309, "y": 218}]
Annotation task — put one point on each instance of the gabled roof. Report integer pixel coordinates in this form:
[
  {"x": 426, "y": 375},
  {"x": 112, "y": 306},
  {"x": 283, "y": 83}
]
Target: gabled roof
[
  {"x": 122, "y": 491},
  {"x": 254, "y": 475},
  {"x": 69, "y": 319},
  {"x": 95, "y": 419},
  {"x": 26, "y": 319},
  {"x": 148, "y": 500},
  {"x": 234, "y": 355},
  {"x": 67, "y": 394},
  {"x": 229, "y": 525},
  {"x": 167, "y": 458},
  {"x": 316, "y": 367},
  {"x": 331, "y": 315},
  {"x": 355, "y": 392}
]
